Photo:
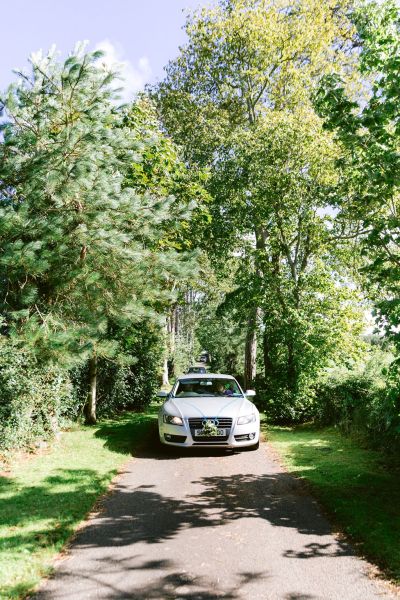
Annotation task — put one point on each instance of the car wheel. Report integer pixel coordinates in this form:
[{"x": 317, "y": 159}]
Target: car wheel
[{"x": 253, "y": 447}]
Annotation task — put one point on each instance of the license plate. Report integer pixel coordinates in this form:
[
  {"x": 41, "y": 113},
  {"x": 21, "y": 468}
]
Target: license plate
[{"x": 215, "y": 433}]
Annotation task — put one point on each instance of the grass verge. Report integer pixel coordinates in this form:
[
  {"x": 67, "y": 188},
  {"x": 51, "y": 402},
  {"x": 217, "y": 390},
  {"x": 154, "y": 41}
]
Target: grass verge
[
  {"x": 45, "y": 497},
  {"x": 359, "y": 489}
]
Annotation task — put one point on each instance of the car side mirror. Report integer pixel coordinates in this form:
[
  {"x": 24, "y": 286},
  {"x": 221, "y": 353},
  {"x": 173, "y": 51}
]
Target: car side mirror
[
  {"x": 250, "y": 393},
  {"x": 162, "y": 394}
]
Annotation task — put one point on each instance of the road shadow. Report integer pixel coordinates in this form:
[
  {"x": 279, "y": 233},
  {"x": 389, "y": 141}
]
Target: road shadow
[
  {"x": 176, "y": 585},
  {"x": 143, "y": 515},
  {"x": 127, "y": 433},
  {"x": 137, "y": 434}
]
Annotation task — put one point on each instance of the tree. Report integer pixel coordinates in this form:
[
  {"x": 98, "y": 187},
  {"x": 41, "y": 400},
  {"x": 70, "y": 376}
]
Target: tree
[
  {"x": 370, "y": 134},
  {"x": 163, "y": 171},
  {"x": 284, "y": 179},
  {"x": 245, "y": 61},
  {"x": 80, "y": 249}
]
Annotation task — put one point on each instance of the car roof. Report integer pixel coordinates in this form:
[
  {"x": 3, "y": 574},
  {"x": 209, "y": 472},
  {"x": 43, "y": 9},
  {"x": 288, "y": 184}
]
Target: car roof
[{"x": 205, "y": 376}]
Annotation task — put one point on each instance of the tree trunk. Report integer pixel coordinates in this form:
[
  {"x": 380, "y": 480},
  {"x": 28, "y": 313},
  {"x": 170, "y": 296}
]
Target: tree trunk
[
  {"x": 90, "y": 408},
  {"x": 167, "y": 333},
  {"x": 171, "y": 331},
  {"x": 172, "y": 328},
  {"x": 291, "y": 368},
  {"x": 268, "y": 364},
  {"x": 250, "y": 364},
  {"x": 165, "y": 378},
  {"x": 250, "y": 357}
]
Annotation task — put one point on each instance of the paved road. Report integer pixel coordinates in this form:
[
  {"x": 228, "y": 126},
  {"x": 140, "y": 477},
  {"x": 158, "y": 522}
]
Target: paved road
[{"x": 214, "y": 525}]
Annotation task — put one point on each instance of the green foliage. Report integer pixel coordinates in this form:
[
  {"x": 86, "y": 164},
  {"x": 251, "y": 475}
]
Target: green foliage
[
  {"x": 79, "y": 246},
  {"x": 369, "y": 132},
  {"x": 367, "y": 126},
  {"x": 162, "y": 171},
  {"x": 186, "y": 348},
  {"x": 100, "y": 209},
  {"x": 136, "y": 384},
  {"x": 363, "y": 401},
  {"x": 130, "y": 383},
  {"x": 281, "y": 180},
  {"x": 345, "y": 399},
  {"x": 280, "y": 404},
  {"x": 220, "y": 320},
  {"x": 223, "y": 337},
  {"x": 243, "y": 56},
  {"x": 35, "y": 399},
  {"x": 238, "y": 100},
  {"x": 89, "y": 226}
]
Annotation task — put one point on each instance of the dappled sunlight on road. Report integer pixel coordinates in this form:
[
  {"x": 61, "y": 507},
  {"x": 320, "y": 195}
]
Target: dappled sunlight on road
[{"x": 204, "y": 525}]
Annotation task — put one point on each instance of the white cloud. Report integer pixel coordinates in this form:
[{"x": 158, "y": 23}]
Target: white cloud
[{"x": 134, "y": 76}]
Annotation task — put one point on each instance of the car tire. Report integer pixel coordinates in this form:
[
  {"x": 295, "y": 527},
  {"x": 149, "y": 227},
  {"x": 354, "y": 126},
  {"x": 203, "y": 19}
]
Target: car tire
[{"x": 253, "y": 447}]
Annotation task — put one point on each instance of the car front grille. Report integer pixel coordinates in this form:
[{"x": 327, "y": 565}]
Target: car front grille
[{"x": 223, "y": 423}]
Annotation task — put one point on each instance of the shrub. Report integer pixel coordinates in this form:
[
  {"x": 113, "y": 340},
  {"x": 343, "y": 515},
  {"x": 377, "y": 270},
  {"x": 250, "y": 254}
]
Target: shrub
[
  {"x": 281, "y": 405},
  {"x": 365, "y": 401},
  {"x": 343, "y": 399},
  {"x": 35, "y": 399}
]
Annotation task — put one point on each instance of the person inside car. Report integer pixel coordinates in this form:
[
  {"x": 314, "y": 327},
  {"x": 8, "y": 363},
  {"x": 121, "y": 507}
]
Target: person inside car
[{"x": 222, "y": 391}]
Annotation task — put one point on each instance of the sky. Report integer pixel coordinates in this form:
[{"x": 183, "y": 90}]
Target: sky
[{"x": 140, "y": 35}]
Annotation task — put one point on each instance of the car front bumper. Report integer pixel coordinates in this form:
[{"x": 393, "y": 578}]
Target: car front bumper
[{"x": 181, "y": 436}]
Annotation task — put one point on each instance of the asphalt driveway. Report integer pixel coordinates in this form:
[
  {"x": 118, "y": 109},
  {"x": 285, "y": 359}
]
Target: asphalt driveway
[{"x": 200, "y": 526}]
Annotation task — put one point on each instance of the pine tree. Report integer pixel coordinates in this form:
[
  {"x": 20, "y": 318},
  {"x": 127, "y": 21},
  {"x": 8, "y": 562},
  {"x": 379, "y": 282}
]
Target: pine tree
[{"x": 80, "y": 248}]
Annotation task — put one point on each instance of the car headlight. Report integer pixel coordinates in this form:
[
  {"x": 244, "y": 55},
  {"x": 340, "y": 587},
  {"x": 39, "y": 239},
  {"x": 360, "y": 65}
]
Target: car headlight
[
  {"x": 172, "y": 420},
  {"x": 246, "y": 419}
]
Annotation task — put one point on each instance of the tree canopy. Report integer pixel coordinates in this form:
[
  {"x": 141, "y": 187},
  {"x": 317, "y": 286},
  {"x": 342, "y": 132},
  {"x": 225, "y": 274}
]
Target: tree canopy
[
  {"x": 82, "y": 235},
  {"x": 246, "y": 205}
]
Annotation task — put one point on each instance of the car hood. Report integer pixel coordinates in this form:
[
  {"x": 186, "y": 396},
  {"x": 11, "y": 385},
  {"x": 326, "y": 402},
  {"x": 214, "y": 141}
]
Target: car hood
[{"x": 208, "y": 406}]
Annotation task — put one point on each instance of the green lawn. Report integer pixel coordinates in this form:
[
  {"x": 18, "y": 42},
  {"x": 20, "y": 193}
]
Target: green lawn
[
  {"x": 358, "y": 487},
  {"x": 45, "y": 497}
]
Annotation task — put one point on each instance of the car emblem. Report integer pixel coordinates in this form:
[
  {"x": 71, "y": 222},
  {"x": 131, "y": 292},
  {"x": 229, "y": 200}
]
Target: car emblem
[{"x": 214, "y": 422}]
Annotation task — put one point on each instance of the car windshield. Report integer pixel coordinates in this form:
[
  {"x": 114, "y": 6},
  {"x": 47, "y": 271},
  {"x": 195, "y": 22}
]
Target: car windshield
[{"x": 188, "y": 388}]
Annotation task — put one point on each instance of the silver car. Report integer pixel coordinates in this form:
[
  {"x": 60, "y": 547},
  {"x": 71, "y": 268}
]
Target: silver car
[{"x": 208, "y": 410}]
